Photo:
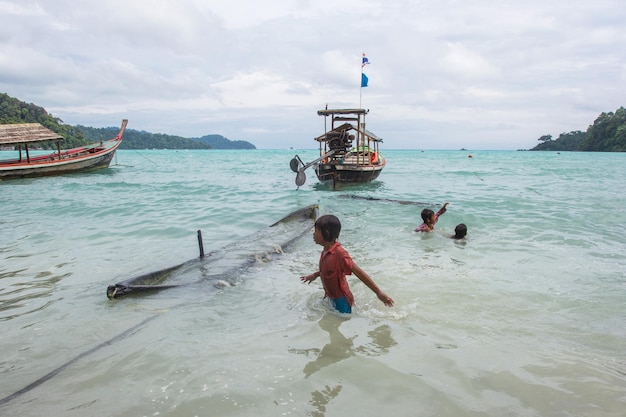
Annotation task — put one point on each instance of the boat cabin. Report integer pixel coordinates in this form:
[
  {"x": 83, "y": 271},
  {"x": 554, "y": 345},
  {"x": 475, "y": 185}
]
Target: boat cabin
[
  {"x": 25, "y": 134},
  {"x": 347, "y": 137}
]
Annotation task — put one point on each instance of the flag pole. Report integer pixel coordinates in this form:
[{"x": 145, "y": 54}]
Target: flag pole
[
  {"x": 364, "y": 61},
  {"x": 361, "y": 90}
]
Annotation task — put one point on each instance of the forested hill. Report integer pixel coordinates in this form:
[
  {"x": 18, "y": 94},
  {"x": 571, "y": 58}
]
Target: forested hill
[
  {"x": 607, "y": 134},
  {"x": 13, "y": 110},
  {"x": 220, "y": 142},
  {"x": 135, "y": 139}
]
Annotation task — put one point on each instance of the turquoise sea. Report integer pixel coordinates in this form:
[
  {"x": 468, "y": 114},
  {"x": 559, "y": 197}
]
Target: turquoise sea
[{"x": 526, "y": 317}]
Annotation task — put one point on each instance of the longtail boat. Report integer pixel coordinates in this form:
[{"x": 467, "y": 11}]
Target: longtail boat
[
  {"x": 84, "y": 158},
  {"x": 220, "y": 268},
  {"x": 349, "y": 153}
]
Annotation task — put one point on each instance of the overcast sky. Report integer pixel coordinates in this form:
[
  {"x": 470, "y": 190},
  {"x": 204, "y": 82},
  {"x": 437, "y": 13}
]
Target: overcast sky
[{"x": 443, "y": 74}]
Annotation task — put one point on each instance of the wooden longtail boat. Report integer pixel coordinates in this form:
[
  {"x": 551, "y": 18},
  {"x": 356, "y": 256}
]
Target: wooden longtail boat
[
  {"x": 220, "y": 268},
  {"x": 84, "y": 158},
  {"x": 349, "y": 153}
]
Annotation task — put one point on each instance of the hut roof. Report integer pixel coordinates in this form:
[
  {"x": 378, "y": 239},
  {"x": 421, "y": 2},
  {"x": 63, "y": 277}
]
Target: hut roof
[{"x": 25, "y": 133}]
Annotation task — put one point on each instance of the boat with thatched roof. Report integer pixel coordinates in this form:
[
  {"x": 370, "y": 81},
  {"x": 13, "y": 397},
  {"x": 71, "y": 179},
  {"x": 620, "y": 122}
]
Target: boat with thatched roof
[
  {"x": 349, "y": 153},
  {"x": 26, "y": 135}
]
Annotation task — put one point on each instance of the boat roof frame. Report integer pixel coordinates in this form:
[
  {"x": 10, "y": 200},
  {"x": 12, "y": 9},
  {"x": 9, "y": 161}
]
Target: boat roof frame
[
  {"x": 18, "y": 133},
  {"x": 330, "y": 112}
]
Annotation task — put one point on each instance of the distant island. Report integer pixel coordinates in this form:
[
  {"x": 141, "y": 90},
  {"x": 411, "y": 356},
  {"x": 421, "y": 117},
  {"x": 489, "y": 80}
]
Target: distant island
[
  {"x": 13, "y": 110},
  {"x": 607, "y": 134},
  {"x": 135, "y": 139}
]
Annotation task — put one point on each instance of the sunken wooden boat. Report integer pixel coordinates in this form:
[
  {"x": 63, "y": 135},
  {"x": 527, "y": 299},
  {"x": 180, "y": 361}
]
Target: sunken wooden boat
[
  {"x": 85, "y": 158},
  {"x": 349, "y": 153},
  {"x": 222, "y": 267}
]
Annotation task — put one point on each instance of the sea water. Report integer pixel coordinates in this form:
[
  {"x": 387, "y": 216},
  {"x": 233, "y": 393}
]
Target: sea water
[{"x": 525, "y": 317}]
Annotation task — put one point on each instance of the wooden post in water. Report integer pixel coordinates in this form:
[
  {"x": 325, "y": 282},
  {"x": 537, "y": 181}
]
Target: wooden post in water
[{"x": 200, "y": 245}]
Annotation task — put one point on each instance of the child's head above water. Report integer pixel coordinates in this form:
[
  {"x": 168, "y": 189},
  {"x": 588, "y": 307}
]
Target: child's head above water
[
  {"x": 329, "y": 226},
  {"x": 427, "y": 215},
  {"x": 460, "y": 231}
]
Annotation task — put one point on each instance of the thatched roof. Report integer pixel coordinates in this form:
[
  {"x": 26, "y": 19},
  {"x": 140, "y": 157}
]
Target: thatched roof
[
  {"x": 330, "y": 112},
  {"x": 25, "y": 133}
]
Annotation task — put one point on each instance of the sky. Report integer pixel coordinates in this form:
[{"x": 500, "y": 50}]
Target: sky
[{"x": 443, "y": 74}]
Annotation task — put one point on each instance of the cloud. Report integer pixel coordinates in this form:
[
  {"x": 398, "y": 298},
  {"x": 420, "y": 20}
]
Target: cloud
[{"x": 444, "y": 74}]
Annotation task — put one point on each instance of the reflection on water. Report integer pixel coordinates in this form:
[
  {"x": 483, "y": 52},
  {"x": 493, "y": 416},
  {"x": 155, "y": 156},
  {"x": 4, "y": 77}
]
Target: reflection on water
[
  {"x": 381, "y": 341},
  {"x": 327, "y": 186},
  {"x": 339, "y": 348},
  {"x": 320, "y": 399}
]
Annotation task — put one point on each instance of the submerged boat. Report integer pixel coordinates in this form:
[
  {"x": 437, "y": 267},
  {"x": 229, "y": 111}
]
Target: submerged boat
[
  {"x": 349, "y": 153},
  {"x": 221, "y": 267},
  {"x": 84, "y": 158}
]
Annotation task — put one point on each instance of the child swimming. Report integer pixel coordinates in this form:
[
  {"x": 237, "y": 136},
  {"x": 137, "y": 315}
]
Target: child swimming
[
  {"x": 460, "y": 231},
  {"x": 430, "y": 218}
]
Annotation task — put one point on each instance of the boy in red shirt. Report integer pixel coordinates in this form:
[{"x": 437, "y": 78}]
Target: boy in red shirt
[{"x": 335, "y": 264}]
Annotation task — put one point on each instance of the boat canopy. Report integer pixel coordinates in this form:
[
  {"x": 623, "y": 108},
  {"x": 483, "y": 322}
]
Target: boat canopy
[
  {"x": 26, "y": 133},
  {"x": 345, "y": 128},
  {"x": 330, "y": 112}
]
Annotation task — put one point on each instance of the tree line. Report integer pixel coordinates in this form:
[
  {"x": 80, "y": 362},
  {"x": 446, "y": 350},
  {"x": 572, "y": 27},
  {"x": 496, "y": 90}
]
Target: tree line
[
  {"x": 606, "y": 134},
  {"x": 13, "y": 110}
]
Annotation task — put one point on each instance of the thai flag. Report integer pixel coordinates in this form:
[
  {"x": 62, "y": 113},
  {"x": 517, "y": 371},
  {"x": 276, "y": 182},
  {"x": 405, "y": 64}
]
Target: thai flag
[{"x": 365, "y": 61}]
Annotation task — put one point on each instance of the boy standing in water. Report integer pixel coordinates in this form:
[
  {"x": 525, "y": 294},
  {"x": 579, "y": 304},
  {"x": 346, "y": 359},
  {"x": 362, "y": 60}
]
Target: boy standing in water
[
  {"x": 430, "y": 218},
  {"x": 335, "y": 263}
]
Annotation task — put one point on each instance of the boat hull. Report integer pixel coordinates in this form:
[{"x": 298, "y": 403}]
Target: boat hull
[
  {"x": 347, "y": 173},
  {"x": 86, "y": 158},
  {"x": 221, "y": 266},
  {"x": 43, "y": 169}
]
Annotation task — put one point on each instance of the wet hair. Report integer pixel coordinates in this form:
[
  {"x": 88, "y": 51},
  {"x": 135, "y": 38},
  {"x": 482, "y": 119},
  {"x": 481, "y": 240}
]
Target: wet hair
[
  {"x": 330, "y": 226},
  {"x": 460, "y": 231},
  {"x": 426, "y": 214}
]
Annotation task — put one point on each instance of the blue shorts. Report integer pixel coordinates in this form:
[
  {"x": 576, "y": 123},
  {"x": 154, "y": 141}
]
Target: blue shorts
[{"x": 341, "y": 304}]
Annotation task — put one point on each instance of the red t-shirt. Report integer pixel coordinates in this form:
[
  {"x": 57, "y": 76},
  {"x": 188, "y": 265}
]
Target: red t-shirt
[{"x": 335, "y": 264}]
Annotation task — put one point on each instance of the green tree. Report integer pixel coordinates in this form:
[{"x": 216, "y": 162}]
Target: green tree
[
  {"x": 565, "y": 142},
  {"x": 607, "y": 133}
]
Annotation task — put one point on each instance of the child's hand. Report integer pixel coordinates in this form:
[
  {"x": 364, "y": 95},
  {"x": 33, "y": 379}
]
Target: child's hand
[
  {"x": 445, "y": 205},
  {"x": 388, "y": 301},
  {"x": 308, "y": 278}
]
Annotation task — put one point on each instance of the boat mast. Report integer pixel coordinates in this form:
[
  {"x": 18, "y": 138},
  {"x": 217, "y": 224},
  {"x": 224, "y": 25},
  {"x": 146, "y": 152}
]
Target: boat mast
[{"x": 364, "y": 62}]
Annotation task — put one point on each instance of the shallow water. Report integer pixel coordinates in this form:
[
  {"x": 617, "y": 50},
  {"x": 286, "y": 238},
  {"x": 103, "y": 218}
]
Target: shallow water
[{"x": 524, "y": 317}]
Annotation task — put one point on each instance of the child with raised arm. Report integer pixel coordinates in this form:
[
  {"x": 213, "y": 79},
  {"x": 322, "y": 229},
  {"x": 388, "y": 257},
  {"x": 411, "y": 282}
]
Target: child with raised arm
[
  {"x": 335, "y": 263},
  {"x": 430, "y": 218}
]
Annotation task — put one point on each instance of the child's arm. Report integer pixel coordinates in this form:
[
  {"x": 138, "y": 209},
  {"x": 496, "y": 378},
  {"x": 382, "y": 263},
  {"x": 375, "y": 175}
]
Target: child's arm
[
  {"x": 311, "y": 277},
  {"x": 442, "y": 209},
  {"x": 365, "y": 278}
]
